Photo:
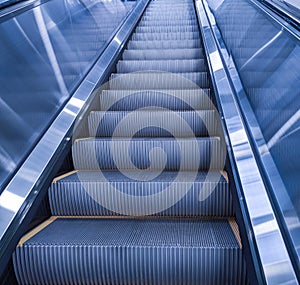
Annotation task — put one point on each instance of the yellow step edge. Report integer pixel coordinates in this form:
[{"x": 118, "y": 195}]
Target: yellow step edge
[
  {"x": 42, "y": 226},
  {"x": 64, "y": 175},
  {"x": 225, "y": 175},
  {"x": 83, "y": 139},
  {"x": 148, "y": 217},
  {"x": 36, "y": 230},
  {"x": 235, "y": 228}
]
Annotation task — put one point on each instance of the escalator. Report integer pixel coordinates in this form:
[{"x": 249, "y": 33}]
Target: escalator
[{"x": 112, "y": 220}]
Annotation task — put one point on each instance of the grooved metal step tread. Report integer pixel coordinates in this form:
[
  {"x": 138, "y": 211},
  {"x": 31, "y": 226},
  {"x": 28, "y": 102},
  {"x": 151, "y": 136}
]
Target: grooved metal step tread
[
  {"x": 166, "y": 16},
  {"x": 152, "y": 123},
  {"x": 86, "y": 193},
  {"x": 200, "y": 153},
  {"x": 166, "y": 29},
  {"x": 159, "y": 80},
  {"x": 169, "y": 10},
  {"x": 168, "y": 44},
  {"x": 165, "y": 9},
  {"x": 183, "y": 65},
  {"x": 172, "y": 99},
  {"x": 130, "y": 251},
  {"x": 167, "y": 22},
  {"x": 161, "y": 54},
  {"x": 168, "y": 19},
  {"x": 160, "y": 36}
]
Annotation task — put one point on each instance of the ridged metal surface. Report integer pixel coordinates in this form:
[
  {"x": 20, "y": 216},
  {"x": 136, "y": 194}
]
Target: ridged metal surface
[
  {"x": 126, "y": 153},
  {"x": 164, "y": 44},
  {"x": 156, "y": 54},
  {"x": 80, "y": 194},
  {"x": 167, "y": 22},
  {"x": 182, "y": 15},
  {"x": 165, "y": 29},
  {"x": 168, "y": 16},
  {"x": 183, "y": 65},
  {"x": 165, "y": 36},
  {"x": 105, "y": 251},
  {"x": 158, "y": 123},
  {"x": 186, "y": 99},
  {"x": 159, "y": 80}
]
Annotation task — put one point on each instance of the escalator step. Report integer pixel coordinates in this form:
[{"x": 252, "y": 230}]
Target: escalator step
[
  {"x": 183, "y": 65},
  {"x": 159, "y": 80},
  {"x": 166, "y": 29},
  {"x": 157, "y": 54},
  {"x": 152, "y": 10},
  {"x": 168, "y": 22},
  {"x": 165, "y": 10},
  {"x": 164, "y": 44},
  {"x": 86, "y": 193},
  {"x": 168, "y": 9},
  {"x": 184, "y": 9},
  {"x": 120, "y": 100},
  {"x": 168, "y": 17},
  {"x": 164, "y": 36},
  {"x": 172, "y": 154},
  {"x": 164, "y": 15},
  {"x": 152, "y": 123},
  {"x": 130, "y": 251}
]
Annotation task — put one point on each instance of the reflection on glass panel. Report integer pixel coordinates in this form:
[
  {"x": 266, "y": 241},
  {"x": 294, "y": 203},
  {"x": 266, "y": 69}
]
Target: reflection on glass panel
[
  {"x": 291, "y": 6},
  {"x": 267, "y": 58},
  {"x": 45, "y": 52},
  {"x": 5, "y": 3}
]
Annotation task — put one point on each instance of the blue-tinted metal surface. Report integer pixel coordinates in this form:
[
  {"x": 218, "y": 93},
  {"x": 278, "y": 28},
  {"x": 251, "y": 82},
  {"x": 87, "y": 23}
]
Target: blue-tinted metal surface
[
  {"x": 45, "y": 52},
  {"x": 68, "y": 197},
  {"x": 5, "y": 3},
  {"x": 24, "y": 187},
  {"x": 275, "y": 265},
  {"x": 131, "y": 251},
  {"x": 267, "y": 85},
  {"x": 290, "y": 7}
]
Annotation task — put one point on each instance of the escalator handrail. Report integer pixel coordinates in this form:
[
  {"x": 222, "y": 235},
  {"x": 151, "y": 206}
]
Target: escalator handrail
[
  {"x": 23, "y": 190},
  {"x": 253, "y": 197},
  {"x": 282, "y": 12},
  {"x": 290, "y": 24},
  {"x": 278, "y": 193}
]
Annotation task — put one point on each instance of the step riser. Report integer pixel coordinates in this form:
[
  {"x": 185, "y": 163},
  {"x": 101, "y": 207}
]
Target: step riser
[
  {"x": 181, "y": 20},
  {"x": 121, "y": 100},
  {"x": 163, "y": 54},
  {"x": 175, "y": 66},
  {"x": 173, "y": 29},
  {"x": 168, "y": 17},
  {"x": 131, "y": 251},
  {"x": 159, "y": 81},
  {"x": 152, "y": 124},
  {"x": 165, "y": 8},
  {"x": 164, "y": 44},
  {"x": 170, "y": 22},
  {"x": 132, "y": 265},
  {"x": 164, "y": 36},
  {"x": 85, "y": 199},
  {"x": 200, "y": 154}
]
